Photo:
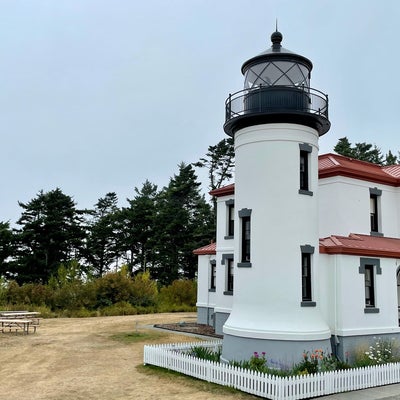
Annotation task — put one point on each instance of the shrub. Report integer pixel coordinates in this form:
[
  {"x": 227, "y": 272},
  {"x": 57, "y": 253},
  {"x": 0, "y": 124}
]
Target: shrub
[
  {"x": 179, "y": 293},
  {"x": 206, "y": 353},
  {"x": 120, "y": 308},
  {"x": 35, "y": 294},
  {"x": 382, "y": 351},
  {"x": 144, "y": 290},
  {"x": 74, "y": 296},
  {"x": 112, "y": 288}
]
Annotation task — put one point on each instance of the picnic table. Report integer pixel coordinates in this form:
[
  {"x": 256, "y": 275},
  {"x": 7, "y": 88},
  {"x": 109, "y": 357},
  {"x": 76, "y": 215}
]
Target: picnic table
[{"x": 17, "y": 320}]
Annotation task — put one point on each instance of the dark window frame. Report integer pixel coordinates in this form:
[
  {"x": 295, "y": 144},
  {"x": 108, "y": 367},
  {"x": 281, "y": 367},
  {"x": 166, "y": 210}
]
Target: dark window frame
[
  {"x": 227, "y": 261},
  {"x": 245, "y": 238},
  {"x": 375, "y": 217},
  {"x": 306, "y": 276},
  {"x": 304, "y": 169},
  {"x": 230, "y": 217},
  {"x": 370, "y": 268},
  {"x": 213, "y": 276}
]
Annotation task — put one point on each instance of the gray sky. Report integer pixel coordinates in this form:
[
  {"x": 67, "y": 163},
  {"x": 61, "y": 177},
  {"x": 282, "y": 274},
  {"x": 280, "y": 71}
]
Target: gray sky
[{"x": 100, "y": 95}]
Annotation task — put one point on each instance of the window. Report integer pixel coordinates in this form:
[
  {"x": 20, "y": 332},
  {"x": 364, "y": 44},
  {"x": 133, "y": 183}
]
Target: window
[
  {"x": 229, "y": 286},
  {"x": 305, "y": 150},
  {"x": 369, "y": 286},
  {"x": 227, "y": 260},
  {"x": 374, "y": 198},
  {"x": 370, "y": 267},
  {"x": 306, "y": 276},
  {"x": 245, "y": 239},
  {"x": 213, "y": 275},
  {"x": 230, "y": 206}
]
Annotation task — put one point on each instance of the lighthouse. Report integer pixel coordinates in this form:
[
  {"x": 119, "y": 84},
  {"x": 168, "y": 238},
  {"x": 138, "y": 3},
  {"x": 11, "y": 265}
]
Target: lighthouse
[{"x": 276, "y": 121}]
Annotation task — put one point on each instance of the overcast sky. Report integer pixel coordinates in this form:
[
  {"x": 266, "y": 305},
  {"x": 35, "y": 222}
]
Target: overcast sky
[{"x": 99, "y": 95}]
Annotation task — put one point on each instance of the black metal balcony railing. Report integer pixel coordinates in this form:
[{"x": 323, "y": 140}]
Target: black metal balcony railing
[{"x": 277, "y": 100}]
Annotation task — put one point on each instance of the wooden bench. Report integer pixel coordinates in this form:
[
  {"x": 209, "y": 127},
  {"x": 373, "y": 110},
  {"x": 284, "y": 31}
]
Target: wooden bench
[{"x": 11, "y": 324}]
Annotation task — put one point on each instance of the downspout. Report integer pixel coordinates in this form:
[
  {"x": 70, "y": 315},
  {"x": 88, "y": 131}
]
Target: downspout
[{"x": 335, "y": 297}]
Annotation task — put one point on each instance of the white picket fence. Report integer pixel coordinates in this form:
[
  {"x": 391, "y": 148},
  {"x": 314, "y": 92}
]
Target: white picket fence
[{"x": 174, "y": 357}]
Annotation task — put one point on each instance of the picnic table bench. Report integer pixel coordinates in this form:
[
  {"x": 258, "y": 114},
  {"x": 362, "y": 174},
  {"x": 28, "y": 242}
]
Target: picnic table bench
[
  {"x": 10, "y": 324},
  {"x": 15, "y": 320}
]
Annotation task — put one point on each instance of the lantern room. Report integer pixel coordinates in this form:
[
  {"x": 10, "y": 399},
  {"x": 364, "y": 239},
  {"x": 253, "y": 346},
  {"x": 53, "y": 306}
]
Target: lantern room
[{"x": 277, "y": 89}]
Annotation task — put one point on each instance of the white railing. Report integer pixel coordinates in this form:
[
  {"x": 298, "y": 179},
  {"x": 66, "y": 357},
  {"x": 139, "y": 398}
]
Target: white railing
[{"x": 174, "y": 357}]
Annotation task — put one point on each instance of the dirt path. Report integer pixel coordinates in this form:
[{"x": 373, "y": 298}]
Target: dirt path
[{"x": 77, "y": 359}]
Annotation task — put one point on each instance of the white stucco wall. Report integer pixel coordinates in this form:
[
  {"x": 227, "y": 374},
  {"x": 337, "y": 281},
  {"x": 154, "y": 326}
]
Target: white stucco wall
[
  {"x": 204, "y": 297},
  {"x": 344, "y": 207},
  {"x": 224, "y": 246},
  {"x": 268, "y": 295},
  {"x": 344, "y": 301}
]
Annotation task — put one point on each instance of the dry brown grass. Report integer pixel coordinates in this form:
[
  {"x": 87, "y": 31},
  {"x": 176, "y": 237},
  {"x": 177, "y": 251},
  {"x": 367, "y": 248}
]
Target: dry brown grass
[{"x": 78, "y": 359}]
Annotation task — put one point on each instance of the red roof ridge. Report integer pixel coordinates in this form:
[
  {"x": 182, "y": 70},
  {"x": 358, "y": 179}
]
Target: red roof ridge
[
  {"x": 361, "y": 245},
  {"x": 355, "y": 236}
]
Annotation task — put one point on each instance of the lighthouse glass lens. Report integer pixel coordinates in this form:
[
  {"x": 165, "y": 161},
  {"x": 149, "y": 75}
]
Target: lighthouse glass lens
[{"x": 277, "y": 73}]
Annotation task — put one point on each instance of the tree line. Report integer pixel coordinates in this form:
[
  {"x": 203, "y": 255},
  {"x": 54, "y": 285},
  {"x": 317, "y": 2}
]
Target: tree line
[
  {"x": 365, "y": 152},
  {"x": 156, "y": 232}
]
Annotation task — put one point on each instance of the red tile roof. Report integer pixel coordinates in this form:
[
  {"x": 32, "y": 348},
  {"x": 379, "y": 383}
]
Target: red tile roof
[
  {"x": 334, "y": 164},
  {"x": 362, "y": 245},
  {"x": 209, "y": 249}
]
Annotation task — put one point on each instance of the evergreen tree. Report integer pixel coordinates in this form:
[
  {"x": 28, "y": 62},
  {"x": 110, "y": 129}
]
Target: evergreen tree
[
  {"x": 51, "y": 234},
  {"x": 360, "y": 151},
  {"x": 220, "y": 161},
  {"x": 137, "y": 228},
  {"x": 100, "y": 248},
  {"x": 391, "y": 159},
  {"x": 184, "y": 222},
  {"x": 343, "y": 147},
  {"x": 6, "y": 247}
]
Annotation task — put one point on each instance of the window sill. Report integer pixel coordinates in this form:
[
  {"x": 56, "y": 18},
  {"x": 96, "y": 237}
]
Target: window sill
[
  {"x": 228, "y": 293},
  {"x": 228, "y": 237},
  {"x": 306, "y": 192},
  {"x": 308, "y": 304},
  {"x": 371, "y": 310},
  {"x": 211, "y": 290},
  {"x": 379, "y": 234},
  {"x": 244, "y": 265}
]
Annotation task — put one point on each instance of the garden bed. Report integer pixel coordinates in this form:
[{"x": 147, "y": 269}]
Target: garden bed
[{"x": 190, "y": 327}]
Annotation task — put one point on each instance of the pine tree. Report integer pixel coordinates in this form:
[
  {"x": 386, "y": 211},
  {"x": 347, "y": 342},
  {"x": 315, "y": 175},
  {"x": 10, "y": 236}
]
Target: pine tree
[
  {"x": 360, "y": 151},
  {"x": 52, "y": 233},
  {"x": 6, "y": 248},
  {"x": 184, "y": 222},
  {"x": 100, "y": 250},
  {"x": 137, "y": 228}
]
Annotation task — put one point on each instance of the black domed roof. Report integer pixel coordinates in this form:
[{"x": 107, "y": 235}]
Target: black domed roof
[{"x": 275, "y": 53}]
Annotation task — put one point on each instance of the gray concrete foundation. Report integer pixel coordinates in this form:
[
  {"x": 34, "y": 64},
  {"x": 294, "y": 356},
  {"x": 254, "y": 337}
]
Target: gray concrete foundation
[
  {"x": 205, "y": 315},
  {"x": 282, "y": 354},
  {"x": 220, "y": 319},
  {"x": 347, "y": 347}
]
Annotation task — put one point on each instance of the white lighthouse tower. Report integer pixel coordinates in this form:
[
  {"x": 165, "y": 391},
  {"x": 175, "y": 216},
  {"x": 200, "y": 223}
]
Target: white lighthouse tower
[{"x": 276, "y": 122}]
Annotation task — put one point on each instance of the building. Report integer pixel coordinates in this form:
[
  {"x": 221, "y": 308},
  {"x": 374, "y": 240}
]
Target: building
[{"x": 307, "y": 248}]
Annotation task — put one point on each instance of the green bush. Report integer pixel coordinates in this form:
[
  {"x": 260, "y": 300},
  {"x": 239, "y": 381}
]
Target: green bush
[
  {"x": 206, "y": 353},
  {"x": 382, "y": 351},
  {"x": 116, "y": 293},
  {"x": 179, "y": 293},
  {"x": 144, "y": 290},
  {"x": 74, "y": 296},
  {"x": 112, "y": 288},
  {"x": 120, "y": 308}
]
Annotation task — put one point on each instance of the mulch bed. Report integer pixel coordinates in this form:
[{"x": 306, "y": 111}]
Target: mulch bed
[{"x": 190, "y": 327}]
